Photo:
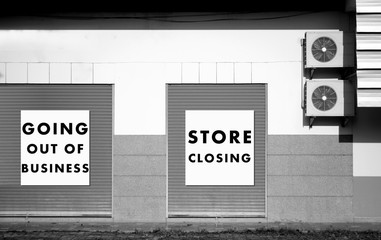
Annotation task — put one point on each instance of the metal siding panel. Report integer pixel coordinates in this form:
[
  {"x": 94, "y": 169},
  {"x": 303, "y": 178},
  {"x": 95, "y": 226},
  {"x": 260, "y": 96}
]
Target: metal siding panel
[
  {"x": 368, "y": 59},
  {"x": 369, "y": 97},
  {"x": 214, "y": 200},
  {"x": 368, "y": 41},
  {"x": 56, "y": 200},
  {"x": 369, "y": 79},
  {"x": 368, "y": 22},
  {"x": 368, "y": 6}
]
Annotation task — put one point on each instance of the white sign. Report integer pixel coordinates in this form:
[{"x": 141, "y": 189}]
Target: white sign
[
  {"x": 55, "y": 147},
  {"x": 219, "y": 147}
]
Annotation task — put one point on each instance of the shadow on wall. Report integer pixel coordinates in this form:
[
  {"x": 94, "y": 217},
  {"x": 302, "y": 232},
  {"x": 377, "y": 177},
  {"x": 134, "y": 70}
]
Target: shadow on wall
[
  {"x": 284, "y": 19},
  {"x": 367, "y": 125},
  {"x": 343, "y": 136}
]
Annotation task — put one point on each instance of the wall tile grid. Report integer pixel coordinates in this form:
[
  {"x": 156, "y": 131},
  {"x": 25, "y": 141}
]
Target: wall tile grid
[
  {"x": 71, "y": 72},
  {"x": 309, "y": 179},
  {"x": 139, "y": 178}
]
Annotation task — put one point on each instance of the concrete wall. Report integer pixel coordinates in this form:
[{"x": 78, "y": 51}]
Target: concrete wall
[
  {"x": 139, "y": 178},
  {"x": 367, "y": 198},
  {"x": 310, "y": 178}
]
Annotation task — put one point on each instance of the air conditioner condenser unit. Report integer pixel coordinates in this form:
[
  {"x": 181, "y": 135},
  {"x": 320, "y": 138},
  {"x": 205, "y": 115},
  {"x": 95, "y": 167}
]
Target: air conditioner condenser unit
[
  {"x": 329, "y": 98},
  {"x": 328, "y": 50}
]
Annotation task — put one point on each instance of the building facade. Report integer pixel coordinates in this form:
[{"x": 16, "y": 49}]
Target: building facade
[{"x": 141, "y": 92}]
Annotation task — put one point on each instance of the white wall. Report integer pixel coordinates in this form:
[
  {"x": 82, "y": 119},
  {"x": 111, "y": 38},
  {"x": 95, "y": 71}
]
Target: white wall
[{"x": 141, "y": 62}]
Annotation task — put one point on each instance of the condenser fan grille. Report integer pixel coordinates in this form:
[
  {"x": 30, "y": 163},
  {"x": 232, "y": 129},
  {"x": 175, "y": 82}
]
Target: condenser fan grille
[
  {"x": 324, "y": 98},
  {"x": 324, "y": 49}
]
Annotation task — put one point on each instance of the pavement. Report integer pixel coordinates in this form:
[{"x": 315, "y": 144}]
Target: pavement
[
  {"x": 182, "y": 226},
  {"x": 113, "y": 230}
]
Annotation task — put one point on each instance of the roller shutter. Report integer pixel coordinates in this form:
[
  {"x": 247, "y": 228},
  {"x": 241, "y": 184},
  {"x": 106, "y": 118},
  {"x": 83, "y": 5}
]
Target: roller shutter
[
  {"x": 92, "y": 200},
  {"x": 214, "y": 201}
]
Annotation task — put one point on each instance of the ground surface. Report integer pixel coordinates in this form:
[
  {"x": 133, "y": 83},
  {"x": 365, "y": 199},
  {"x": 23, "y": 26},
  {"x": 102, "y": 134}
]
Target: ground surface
[
  {"x": 176, "y": 234},
  {"x": 188, "y": 230}
]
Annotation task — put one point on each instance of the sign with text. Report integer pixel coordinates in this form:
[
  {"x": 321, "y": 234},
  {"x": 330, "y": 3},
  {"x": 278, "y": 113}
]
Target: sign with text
[
  {"x": 55, "y": 147},
  {"x": 219, "y": 147}
]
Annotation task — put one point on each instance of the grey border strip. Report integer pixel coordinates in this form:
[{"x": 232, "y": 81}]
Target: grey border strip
[
  {"x": 112, "y": 148},
  {"x": 266, "y": 151},
  {"x": 166, "y": 149}
]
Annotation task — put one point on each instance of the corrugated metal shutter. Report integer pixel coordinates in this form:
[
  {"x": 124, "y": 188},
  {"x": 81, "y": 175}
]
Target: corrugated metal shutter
[
  {"x": 56, "y": 200},
  {"x": 221, "y": 201}
]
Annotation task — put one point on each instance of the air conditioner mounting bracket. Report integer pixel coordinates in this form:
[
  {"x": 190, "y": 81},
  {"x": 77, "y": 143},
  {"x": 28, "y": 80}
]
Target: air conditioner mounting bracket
[
  {"x": 312, "y": 71},
  {"x": 311, "y": 121},
  {"x": 344, "y": 121}
]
